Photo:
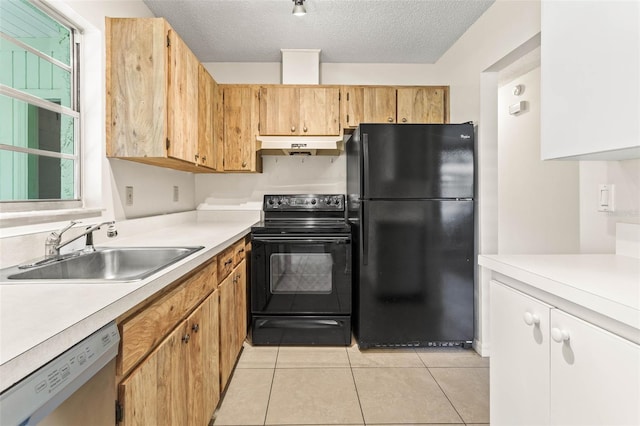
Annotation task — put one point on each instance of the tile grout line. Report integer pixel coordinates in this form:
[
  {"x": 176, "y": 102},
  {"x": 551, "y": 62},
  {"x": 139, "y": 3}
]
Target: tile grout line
[
  {"x": 273, "y": 377},
  {"x": 444, "y": 393},
  {"x": 355, "y": 385}
]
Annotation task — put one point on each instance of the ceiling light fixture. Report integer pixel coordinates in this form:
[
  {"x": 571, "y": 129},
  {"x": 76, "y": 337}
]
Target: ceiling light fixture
[{"x": 298, "y": 8}]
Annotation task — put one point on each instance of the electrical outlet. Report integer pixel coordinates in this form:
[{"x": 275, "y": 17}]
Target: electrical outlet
[
  {"x": 129, "y": 195},
  {"x": 176, "y": 194}
]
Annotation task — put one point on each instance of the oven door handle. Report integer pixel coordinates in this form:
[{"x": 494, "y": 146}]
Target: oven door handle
[{"x": 299, "y": 239}]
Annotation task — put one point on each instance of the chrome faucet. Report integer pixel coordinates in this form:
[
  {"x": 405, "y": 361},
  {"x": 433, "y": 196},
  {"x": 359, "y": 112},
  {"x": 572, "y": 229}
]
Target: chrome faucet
[{"x": 53, "y": 243}]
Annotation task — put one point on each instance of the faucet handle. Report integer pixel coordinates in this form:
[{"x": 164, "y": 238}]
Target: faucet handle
[
  {"x": 66, "y": 228},
  {"x": 111, "y": 230}
]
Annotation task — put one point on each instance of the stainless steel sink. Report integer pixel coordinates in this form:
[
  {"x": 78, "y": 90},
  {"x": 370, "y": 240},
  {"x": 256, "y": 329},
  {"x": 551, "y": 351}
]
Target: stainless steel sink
[{"x": 106, "y": 264}]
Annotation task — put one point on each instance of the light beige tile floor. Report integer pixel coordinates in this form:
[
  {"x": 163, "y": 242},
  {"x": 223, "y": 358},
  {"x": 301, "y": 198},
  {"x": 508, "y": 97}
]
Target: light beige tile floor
[{"x": 345, "y": 386}]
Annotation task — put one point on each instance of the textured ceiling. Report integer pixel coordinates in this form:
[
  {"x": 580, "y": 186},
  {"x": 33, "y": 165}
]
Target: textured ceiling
[{"x": 366, "y": 31}]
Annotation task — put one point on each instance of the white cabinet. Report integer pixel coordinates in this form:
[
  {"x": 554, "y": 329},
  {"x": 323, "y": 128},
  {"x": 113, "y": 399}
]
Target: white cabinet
[
  {"x": 595, "y": 375},
  {"x": 590, "y": 60},
  {"x": 519, "y": 373},
  {"x": 551, "y": 368}
]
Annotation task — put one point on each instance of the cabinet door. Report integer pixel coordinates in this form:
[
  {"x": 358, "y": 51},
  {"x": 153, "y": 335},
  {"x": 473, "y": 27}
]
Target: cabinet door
[
  {"x": 352, "y": 106},
  {"x": 203, "y": 360},
  {"x": 155, "y": 393},
  {"x": 519, "y": 374},
  {"x": 319, "y": 111},
  {"x": 182, "y": 124},
  {"x": 379, "y": 105},
  {"x": 279, "y": 111},
  {"x": 136, "y": 75},
  {"x": 240, "y": 128},
  {"x": 595, "y": 375},
  {"x": 422, "y": 105},
  {"x": 240, "y": 277},
  {"x": 205, "y": 154},
  {"x": 228, "y": 334}
]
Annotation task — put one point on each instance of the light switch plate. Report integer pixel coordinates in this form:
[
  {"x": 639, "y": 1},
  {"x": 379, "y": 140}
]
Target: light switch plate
[
  {"x": 129, "y": 195},
  {"x": 606, "y": 197}
]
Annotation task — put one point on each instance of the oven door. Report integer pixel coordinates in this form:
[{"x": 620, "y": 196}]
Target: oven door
[{"x": 301, "y": 274}]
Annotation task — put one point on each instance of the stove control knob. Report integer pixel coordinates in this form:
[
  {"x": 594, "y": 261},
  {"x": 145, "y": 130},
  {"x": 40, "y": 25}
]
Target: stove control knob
[
  {"x": 271, "y": 201},
  {"x": 313, "y": 201},
  {"x": 279, "y": 202}
]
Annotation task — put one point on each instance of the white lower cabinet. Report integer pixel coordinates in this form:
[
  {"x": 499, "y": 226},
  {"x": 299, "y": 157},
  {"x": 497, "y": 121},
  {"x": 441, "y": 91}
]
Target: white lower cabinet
[
  {"x": 519, "y": 373},
  {"x": 551, "y": 368},
  {"x": 595, "y": 375}
]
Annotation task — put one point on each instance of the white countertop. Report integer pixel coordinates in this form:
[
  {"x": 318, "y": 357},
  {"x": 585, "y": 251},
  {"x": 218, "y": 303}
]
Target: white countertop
[
  {"x": 607, "y": 284},
  {"x": 40, "y": 321}
]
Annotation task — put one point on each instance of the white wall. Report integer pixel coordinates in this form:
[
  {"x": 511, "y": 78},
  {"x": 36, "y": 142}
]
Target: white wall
[
  {"x": 537, "y": 200},
  {"x": 598, "y": 229}
]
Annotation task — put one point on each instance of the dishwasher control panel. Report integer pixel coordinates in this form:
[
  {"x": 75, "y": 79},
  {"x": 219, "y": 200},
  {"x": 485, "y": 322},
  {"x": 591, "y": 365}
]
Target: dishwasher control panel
[{"x": 31, "y": 399}]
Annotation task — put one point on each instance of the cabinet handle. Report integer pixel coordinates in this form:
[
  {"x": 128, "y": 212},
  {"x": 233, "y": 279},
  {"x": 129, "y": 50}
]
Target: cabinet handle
[
  {"x": 390, "y": 120},
  {"x": 244, "y": 164},
  {"x": 531, "y": 319},
  {"x": 293, "y": 128},
  {"x": 559, "y": 335},
  {"x": 204, "y": 159},
  {"x": 241, "y": 251},
  {"x": 186, "y": 338},
  {"x": 228, "y": 262},
  {"x": 197, "y": 156},
  {"x": 195, "y": 328},
  {"x": 304, "y": 129},
  {"x": 404, "y": 120}
]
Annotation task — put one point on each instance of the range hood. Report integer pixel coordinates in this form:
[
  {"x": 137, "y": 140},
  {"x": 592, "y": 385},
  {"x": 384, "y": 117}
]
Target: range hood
[{"x": 300, "y": 145}]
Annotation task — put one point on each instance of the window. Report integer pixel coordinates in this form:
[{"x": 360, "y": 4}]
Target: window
[{"x": 39, "y": 107}]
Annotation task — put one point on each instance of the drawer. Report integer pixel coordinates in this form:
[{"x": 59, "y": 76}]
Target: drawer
[
  {"x": 225, "y": 262},
  {"x": 239, "y": 252},
  {"x": 144, "y": 330}
]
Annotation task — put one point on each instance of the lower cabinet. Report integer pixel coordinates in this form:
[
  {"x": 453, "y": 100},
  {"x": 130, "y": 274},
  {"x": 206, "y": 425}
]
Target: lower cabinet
[
  {"x": 519, "y": 373},
  {"x": 549, "y": 367},
  {"x": 178, "y": 349},
  {"x": 595, "y": 375},
  {"x": 233, "y": 319},
  {"x": 177, "y": 383}
]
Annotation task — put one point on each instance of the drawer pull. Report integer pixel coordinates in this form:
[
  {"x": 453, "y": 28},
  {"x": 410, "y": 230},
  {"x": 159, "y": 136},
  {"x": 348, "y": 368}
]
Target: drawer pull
[
  {"x": 186, "y": 338},
  {"x": 195, "y": 328},
  {"x": 228, "y": 262}
]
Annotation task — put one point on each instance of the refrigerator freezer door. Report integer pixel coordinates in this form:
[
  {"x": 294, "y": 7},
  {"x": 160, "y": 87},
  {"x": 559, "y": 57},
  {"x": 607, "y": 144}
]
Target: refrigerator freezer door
[
  {"x": 416, "y": 161},
  {"x": 416, "y": 286}
]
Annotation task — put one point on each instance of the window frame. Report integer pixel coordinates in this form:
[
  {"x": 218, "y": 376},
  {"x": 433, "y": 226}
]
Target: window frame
[{"x": 74, "y": 112}]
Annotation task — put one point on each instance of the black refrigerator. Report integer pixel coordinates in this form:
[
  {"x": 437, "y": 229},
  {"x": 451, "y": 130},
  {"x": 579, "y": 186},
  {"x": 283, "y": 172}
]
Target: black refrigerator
[{"x": 410, "y": 201}]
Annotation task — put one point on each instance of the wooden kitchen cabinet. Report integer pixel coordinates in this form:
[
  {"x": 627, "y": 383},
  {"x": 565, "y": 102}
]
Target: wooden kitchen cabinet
[
  {"x": 300, "y": 111},
  {"x": 422, "y": 105},
  {"x": 237, "y": 141},
  {"x": 233, "y": 320},
  {"x": 207, "y": 92},
  {"x": 177, "y": 384},
  {"x": 390, "y": 104},
  {"x": 152, "y": 94},
  {"x": 368, "y": 104}
]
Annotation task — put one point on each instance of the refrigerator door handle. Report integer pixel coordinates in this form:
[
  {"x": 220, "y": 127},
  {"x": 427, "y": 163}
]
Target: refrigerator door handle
[
  {"x": 364, "y": 223},
  {"x": 365, "y": 165}
]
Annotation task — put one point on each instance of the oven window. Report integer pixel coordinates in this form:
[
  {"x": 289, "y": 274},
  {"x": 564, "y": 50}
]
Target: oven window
[{"x": 301, "y": 273}]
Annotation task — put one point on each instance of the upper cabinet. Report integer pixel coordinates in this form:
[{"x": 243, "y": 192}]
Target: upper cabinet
[
  {"x": 237, "y": 142},
  {"x": 384, "y": 104},
  {"x": 422, "y": 105},
  {"x": 590, "y": 61},
  {"x": 299, "y": 111},
  {"x": 152, "y": 82},
  {"x": 207, "y": 98}
]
